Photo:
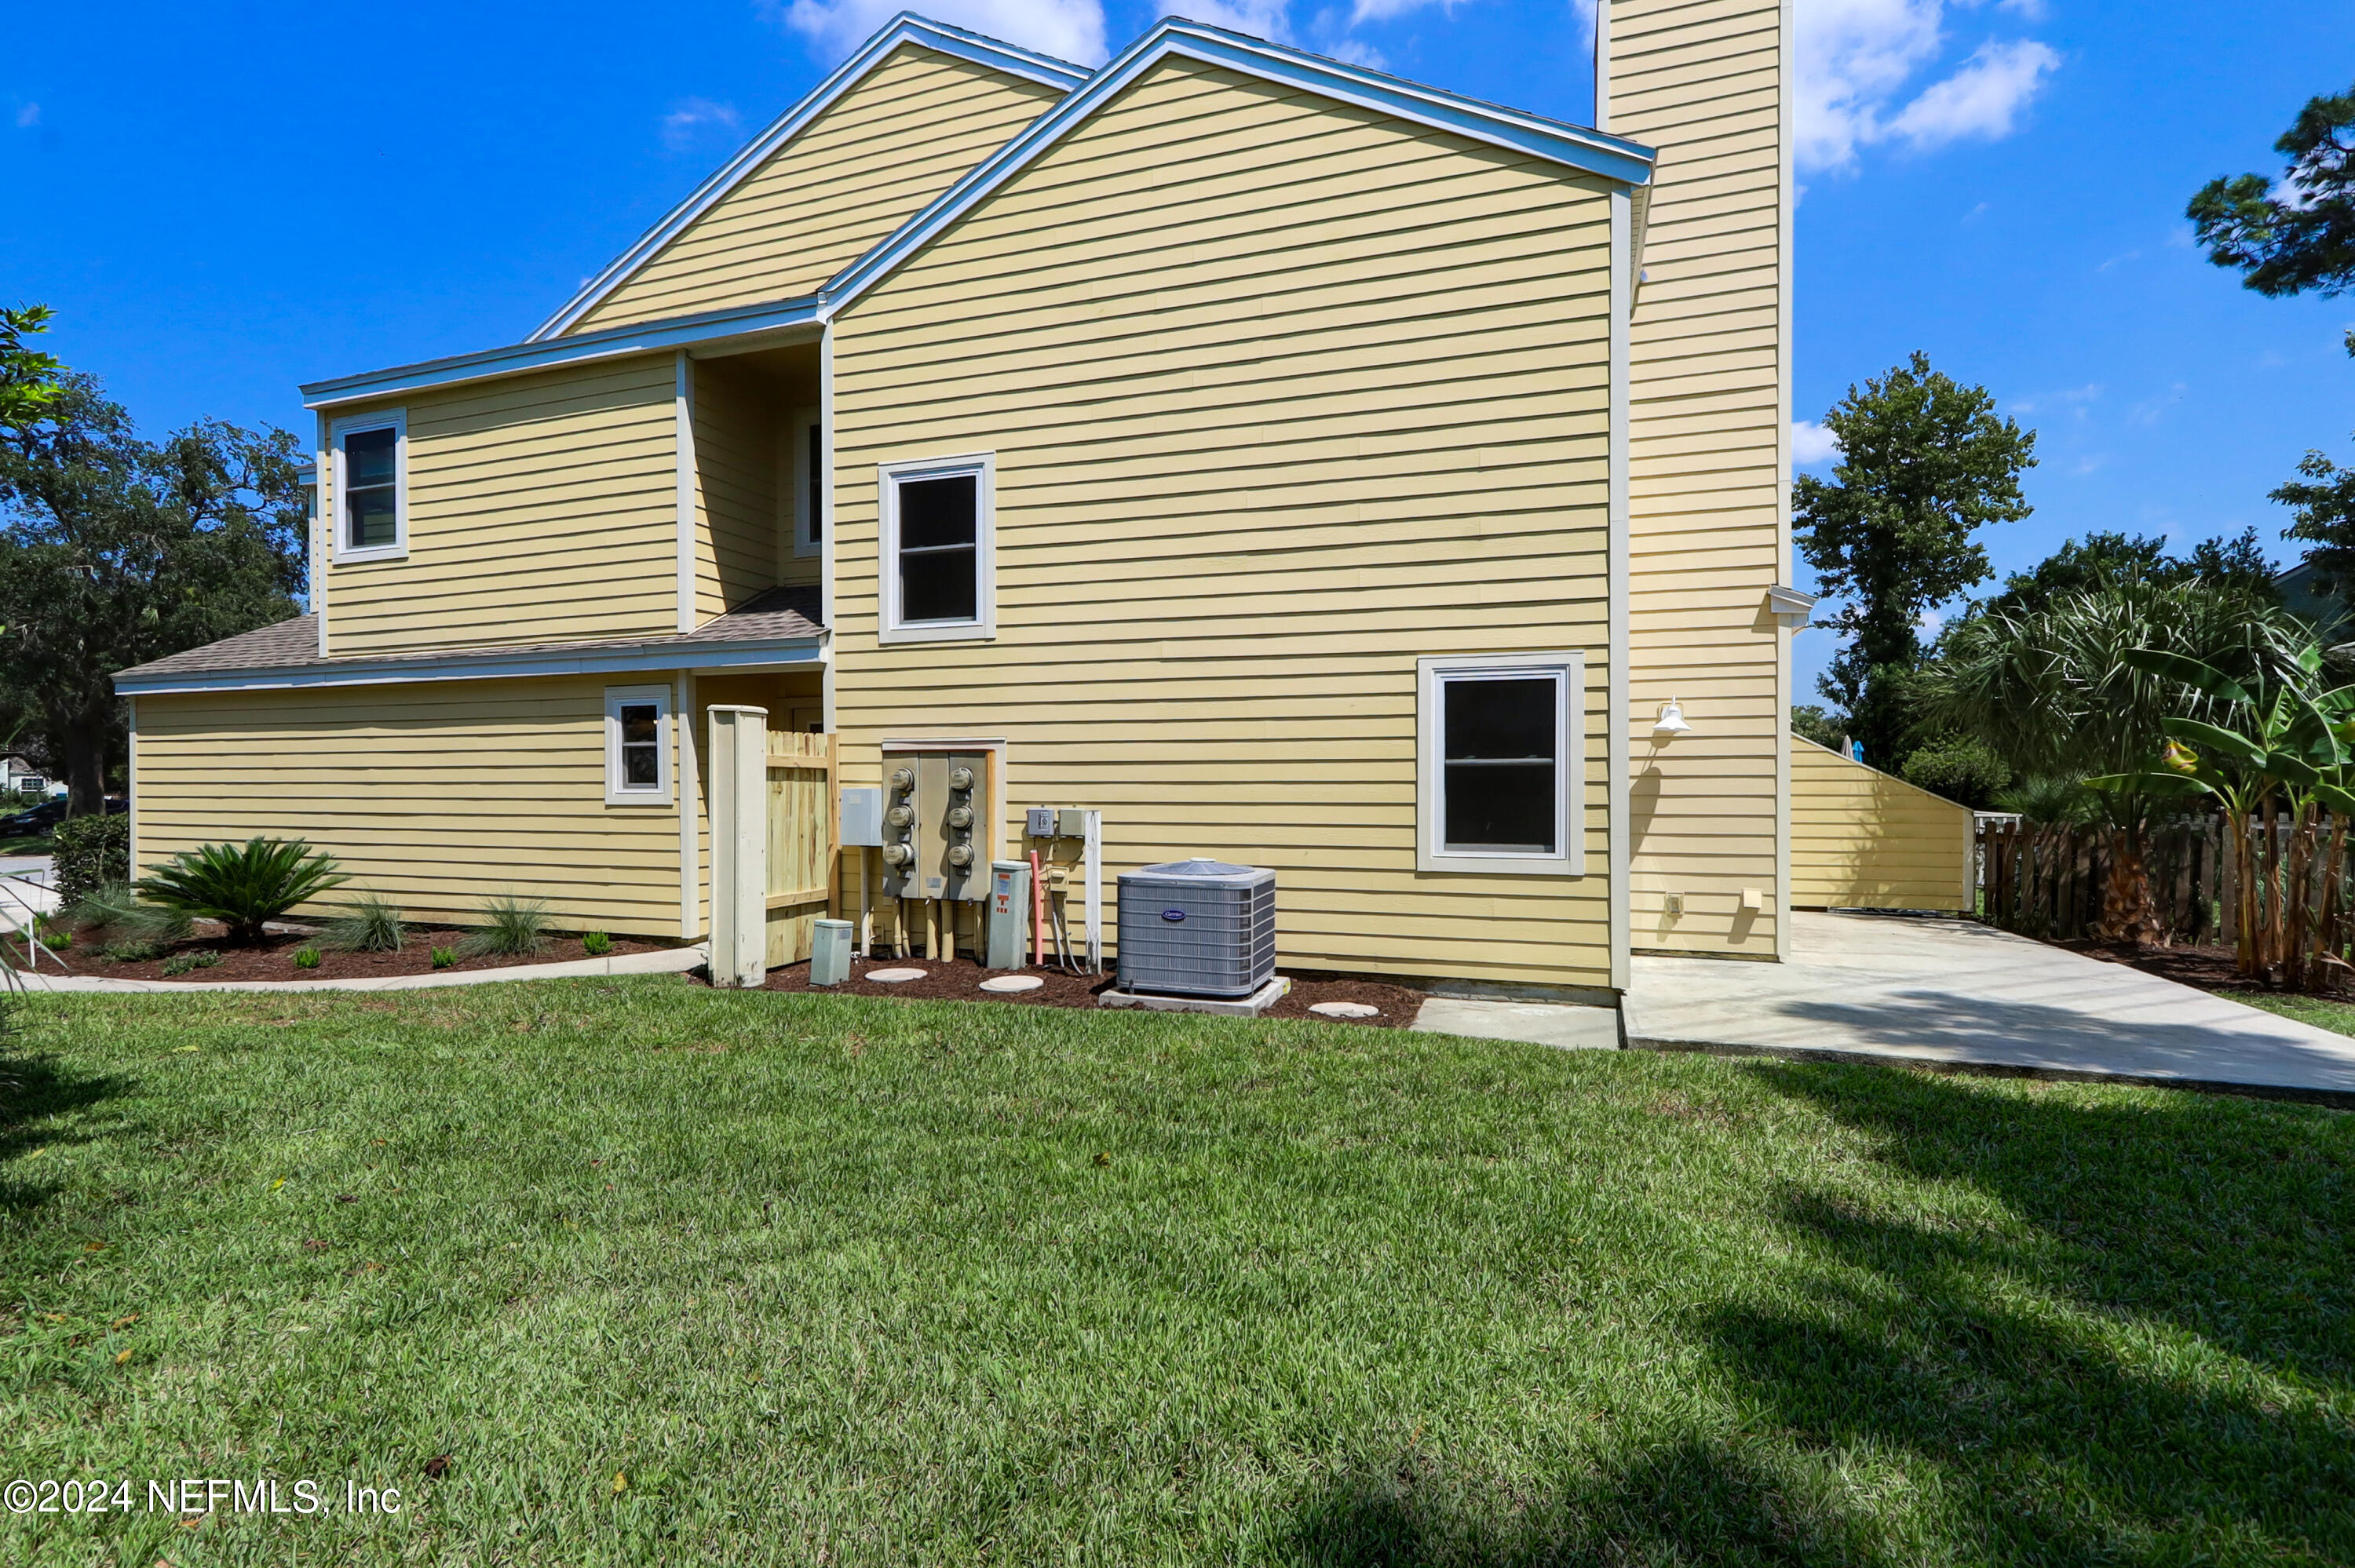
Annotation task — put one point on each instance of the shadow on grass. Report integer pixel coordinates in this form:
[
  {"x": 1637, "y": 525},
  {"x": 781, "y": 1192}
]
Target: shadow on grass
[
  {"x": 33, "y": 1093},
  {"x": 1690, "y": 1502},
  {"x": 2142, "y": 1349}
]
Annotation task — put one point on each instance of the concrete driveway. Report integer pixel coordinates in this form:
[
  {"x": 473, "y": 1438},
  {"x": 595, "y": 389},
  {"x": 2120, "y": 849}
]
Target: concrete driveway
[{"x": 1921, "y": 988}]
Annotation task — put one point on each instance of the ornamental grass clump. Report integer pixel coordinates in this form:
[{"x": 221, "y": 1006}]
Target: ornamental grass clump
[
  {"x": 596, "y": 944},
  {"x": 372, "y": 925},
  {"x": 512, "y": 928},
  {"x": 114, "y": 910},
  {"x": 444, "y": 957},
  {"x": 242, "y": 885},
  {"x": 306, "y": 958}
]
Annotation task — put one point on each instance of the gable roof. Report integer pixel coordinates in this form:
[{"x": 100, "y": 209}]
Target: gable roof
[
  {"x": 904, "y": 28},
  {"x": 1612, "y": 158},
  {"x": 1607, "y": 157}
]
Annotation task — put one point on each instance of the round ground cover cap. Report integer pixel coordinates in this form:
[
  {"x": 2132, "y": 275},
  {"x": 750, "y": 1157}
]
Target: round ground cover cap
[
  {"x": 1344, "y": 1009},
  {"x": 1010, "y": 985},
  {"x": 892, "y": 977}
]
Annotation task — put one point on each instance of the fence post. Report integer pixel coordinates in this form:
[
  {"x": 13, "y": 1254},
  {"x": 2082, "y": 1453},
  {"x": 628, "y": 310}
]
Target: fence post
[{"x": 739, "y": 845}]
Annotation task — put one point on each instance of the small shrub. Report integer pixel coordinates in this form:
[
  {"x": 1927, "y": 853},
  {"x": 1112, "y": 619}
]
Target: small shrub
[
  {"x": 2049, "y": 802},
  {"x": 596, "y": 944},
  {"x": 115, "y": 909},
  {"x": 372, "y": 925},
  {"x": 1964, "y": 768},
  {"x": 242, "y": 885},
  {"x": 444, "y": 957},
  {"x": 306, "y": 958},
  {"x": 511, "y": 928},
  {"x": 181, "y": 963},
  {"x": 54, "y": 933},
  {"x": 92, "y": 852},
  {"x": 132, "y": 952}
]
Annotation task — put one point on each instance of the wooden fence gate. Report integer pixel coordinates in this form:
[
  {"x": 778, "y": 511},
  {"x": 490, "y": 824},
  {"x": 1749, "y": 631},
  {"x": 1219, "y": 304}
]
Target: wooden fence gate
[{"x": 774, "y": 840}]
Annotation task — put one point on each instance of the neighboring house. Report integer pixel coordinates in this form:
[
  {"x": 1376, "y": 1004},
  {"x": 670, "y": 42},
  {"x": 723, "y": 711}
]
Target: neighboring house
[
  {"x": 18, "y": 777},
  {"x": 1298, "y": 465}
]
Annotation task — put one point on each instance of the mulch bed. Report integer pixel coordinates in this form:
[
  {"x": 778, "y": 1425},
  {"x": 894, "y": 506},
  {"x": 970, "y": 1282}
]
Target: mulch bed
[
  {"x": 273, "y": 959},
  {"x": 960, "y": 980},
  {"x": 2206, "y": 968}
]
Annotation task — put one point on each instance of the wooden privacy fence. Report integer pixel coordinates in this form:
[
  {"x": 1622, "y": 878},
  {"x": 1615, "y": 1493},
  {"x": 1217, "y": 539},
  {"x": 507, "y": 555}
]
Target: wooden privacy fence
[
  {"x": 774, "y": 842},
  {"x": 2046, "y": 881}
]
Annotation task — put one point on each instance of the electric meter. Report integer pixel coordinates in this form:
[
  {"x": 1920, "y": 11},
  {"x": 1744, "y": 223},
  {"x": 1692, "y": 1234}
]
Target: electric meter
[
  {"x": 960, "y": 778},
  {"x": 900, "y": 816},
  {"x": 960, "y": 855},
  {"x": 898, "y": 855},
  {"x": 903, "y": 780},
  {"x": 960, "y": 817}
]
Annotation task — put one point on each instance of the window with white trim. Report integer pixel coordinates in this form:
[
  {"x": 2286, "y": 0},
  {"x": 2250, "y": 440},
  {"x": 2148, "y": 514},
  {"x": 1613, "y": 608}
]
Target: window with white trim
[
  {"x": 806, "y": 432},
  {"x": 1500, "y": 776},
  {"x": 938, "y": 547},
  {"x": 371, "y": 488},
  {"x": 637, "y": 746}
]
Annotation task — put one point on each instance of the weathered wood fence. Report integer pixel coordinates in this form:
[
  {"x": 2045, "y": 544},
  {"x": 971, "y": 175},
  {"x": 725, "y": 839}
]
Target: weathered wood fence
[{"x": 2046, "y": 881}]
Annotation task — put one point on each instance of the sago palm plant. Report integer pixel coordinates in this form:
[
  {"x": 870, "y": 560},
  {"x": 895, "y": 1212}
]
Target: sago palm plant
[{"x": 242, "y": 885}]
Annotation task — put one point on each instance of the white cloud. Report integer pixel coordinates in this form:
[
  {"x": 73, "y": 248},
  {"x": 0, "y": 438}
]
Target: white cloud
[
  {"x": 1259, "y": 18},
  {"x": 29, "y": 117},
  {"x": 1385, "y": 10},
  {"x": 1357, "y": 54},
  {"x": 690, "y": 117},
  {"x": 1811, "y": 443},
  {"x": 1983, "y": 99},
  {"x": 1068, "y": 29},
  {"x": 1856, "y": 57}
]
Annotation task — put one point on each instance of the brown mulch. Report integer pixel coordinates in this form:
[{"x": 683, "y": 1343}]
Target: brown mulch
[
  {"x": 273, "y": 959},
  {"x": 960, "y": 979},
  {"x": 2206, "y": 968}
]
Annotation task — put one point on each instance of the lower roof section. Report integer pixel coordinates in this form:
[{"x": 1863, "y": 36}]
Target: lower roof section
[{"x": 778, "y": 629}]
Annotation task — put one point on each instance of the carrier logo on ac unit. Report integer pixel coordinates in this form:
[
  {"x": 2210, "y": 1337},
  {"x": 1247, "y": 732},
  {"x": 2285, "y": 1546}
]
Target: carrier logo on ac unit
[{"x": 1173, "y": 913}]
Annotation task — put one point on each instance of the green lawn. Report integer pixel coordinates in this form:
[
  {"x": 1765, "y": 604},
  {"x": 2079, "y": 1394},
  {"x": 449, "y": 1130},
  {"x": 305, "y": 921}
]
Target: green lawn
[
  {"x": 836, "y": 1281},
  {"x": 28, "y": 843},
  {"x": 2323, "y": 1013}
]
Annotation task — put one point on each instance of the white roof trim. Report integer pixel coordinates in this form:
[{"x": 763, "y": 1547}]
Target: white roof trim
[
  {"x": 1610, "y": 157},
  {"x": 784, "y": 318},
  {"x": 904, "y": 28},
  {"x": 714, "y": 655}
]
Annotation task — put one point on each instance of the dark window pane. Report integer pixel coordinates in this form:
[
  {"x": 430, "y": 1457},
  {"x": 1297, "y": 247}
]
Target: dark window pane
[
  {"x": 939, "y": 585},
  {"x": 816, "y": 483},
  {"x": 638, "y": 724},
  {"x": 1501, "y": 719},
  {"x": 372, "y": 520},
  {"x": 640, "y": 768},
  {"x": 1500, "y": 806},
  {"x": 367, "y": 458},
  {"x": 939, "y": 511}
]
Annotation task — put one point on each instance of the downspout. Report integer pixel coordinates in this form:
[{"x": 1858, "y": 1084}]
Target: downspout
[{"x": 1616, "y": 567}]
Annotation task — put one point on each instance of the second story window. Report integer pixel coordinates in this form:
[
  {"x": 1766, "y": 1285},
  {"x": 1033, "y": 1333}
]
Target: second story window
[
  {"x": 938, "y": 549},
  {"x": 806, "y": 464},
  {"x": 371, "y": 487}
]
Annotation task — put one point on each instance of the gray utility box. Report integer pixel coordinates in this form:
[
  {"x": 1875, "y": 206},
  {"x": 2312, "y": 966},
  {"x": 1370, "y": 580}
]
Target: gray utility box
[{"x": 1196, "y": 927}]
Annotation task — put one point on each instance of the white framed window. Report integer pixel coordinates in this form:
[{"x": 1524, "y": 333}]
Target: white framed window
[
  {"x": 1501, "y": 770},
  {"x": 371, "y": 486},
  {"x": 938, "y": 526},
  {"x": 806, "y": 433},
  {"x": 637, "y": 746}
]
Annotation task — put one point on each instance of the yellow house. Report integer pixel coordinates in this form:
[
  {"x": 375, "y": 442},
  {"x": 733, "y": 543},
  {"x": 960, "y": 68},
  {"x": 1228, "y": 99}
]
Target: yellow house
[{"x": 1291, "y": 463}]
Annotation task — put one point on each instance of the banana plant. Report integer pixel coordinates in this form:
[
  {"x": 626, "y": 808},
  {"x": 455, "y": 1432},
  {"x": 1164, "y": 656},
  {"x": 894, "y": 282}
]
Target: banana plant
[{"x": 2281, "y": 744}]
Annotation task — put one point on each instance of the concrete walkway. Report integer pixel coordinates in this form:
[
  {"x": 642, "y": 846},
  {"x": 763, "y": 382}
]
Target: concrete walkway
[
  {"x": 1535, "y": 1023},
  {"x": 1921, "y": 988},
  {"x": 668, "y": 961}
]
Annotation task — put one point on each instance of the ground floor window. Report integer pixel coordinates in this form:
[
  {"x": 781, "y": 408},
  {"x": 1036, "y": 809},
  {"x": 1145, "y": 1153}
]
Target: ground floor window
[
  {"x": 637, "y": 745},
  {"x": 1501, "y": 767}
]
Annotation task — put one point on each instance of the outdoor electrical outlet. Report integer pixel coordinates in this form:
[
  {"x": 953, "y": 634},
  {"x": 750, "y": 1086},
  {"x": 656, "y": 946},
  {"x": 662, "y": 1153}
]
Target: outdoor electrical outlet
[{"x": 1674, "y": 903}]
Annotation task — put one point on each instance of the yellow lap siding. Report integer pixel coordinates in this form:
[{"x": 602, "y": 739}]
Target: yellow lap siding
[
  {"x": 1283, "y": 395},
  {"x": 737, "y": 423},
  {"x": 1703, "y": 83},
  {"x": 1861, "y": 839},
  {"x": 540, "y": 507},
  {"x": 436, "y": 795},
  {"x": 891, "y": 143}
]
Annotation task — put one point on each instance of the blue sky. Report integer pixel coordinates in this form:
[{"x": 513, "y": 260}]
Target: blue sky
[{"x": 222, "y": 202}]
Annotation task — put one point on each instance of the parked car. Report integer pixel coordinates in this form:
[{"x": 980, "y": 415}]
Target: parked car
[{"x": 39, "y": 820}]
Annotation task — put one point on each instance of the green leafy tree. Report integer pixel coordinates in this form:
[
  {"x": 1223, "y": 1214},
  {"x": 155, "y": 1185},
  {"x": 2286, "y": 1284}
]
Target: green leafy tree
[
  {"x": 2297, "y": 234},
  {"x": 2323, "y": 503},
  {"x": 1810, "y": 722},
  {"x": 2101, "y": 558},
  {"x": 1925, "y": 463},
  {"x": 115, "y": 551},
  {"x": 29, "y": 378}
]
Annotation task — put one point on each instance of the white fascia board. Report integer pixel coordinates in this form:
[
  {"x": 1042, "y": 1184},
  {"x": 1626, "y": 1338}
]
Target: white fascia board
[
  {"x": 1611, "y": 158},
  {"x": 903, "y": 28},
  {"x": 712, "y": 657},
  {"x": 786, "y": 319}
]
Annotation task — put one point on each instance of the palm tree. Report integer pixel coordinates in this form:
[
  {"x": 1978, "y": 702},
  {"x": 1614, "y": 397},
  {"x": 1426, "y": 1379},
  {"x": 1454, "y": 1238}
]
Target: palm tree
[{"x": 2053, "y": 690}]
